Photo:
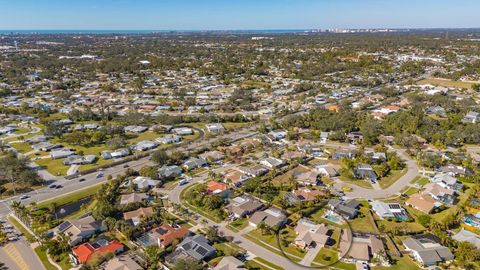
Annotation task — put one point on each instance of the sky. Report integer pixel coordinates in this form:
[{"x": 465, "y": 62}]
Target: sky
[{"x": 236, "y": 14}]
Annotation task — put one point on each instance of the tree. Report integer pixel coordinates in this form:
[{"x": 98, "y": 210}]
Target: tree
[
  {"x": 160, "y": 157},
  {"x": 424, "y": 220},
  {"x": 152, "y": 255},
  {"x": 149, "y": 171},
  {"x": 188, "y": 264}
]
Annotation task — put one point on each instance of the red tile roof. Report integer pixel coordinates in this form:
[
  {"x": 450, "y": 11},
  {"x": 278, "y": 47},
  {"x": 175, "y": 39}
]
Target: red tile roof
[
  {"x": 86, "y": 250},
  {"x": 216, "y": 186}
]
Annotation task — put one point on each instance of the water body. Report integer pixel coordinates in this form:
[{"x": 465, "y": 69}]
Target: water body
[{"x": 139, "y": 32}]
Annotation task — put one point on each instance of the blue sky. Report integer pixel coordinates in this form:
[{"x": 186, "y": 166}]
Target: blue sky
[{"x": 236, "y": 14}]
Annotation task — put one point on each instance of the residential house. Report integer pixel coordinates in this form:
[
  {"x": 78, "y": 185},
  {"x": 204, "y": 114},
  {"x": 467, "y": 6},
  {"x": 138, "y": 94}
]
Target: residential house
[
  {"x": 215, "y": 127},
  {"x": 467, "y": 236},
  {"x": 310, "y": 234},
  {"x": 229, "y": 263},
  {"x": 194, "y": 163},
  {"x": 37, "y": 139},
  {"x": 447, "y": 181},
  {"x": 218, "y": 188},
  {"x": 327, "y": 170},
  {"x": 306, "y": 176},
  {"x": 235, "y": 177},
  {"x": 344, "y": 153},
  {"x": 422, "y": 202},
  {"x": 440, "y": 194},
  {"x": 192, "y": 247},
  {"x": 122, "y": 262},
  {"x": 136, "y": 216},
  {"x": 62, "y": 153},
  {"x": 273, "y": 136},
  {"x": 360, "y": 248},
  {"x": 427, "y": 250},
  {"x": 354, "y": 137},
  {"x": 45, "y": 146},
  {"x": 271, "y": 217},
  {"x": 135, "y": 129},
  {"x": 79, "y": 160},
  {"x": 212, "y": 156},
  {"x": 365, "y": 171},
  {"x": 169, "y": 139},
  {"x": 142, "y": 182},
  {"x": 324, "y": 137},
  {"x": 144, "y": 146},
  {"x": 303, "y": 195},
  {"x": 84, "y": 252},
  {"x": 7, "y": 130},
  {"x": 163, "y": 236},
  {"x": 347, "y": 209},
  {"x": 243, "y": 206},
  {"x": 168, "y": 172},
  {"x": 471, "y": 117},
  {"x": 455, "y": 170},
  {"x": 272, "y": 162},
  {"x": 119, "y": 153},
  {"x": 182, "y": 131},
  {"x": 389, "y": 210},
  {"x": 133, "y": 198},
  {"x": 293, "y": 155},
  {"x": 80, "y": 229},
  {"x": 437, "y": 110}
]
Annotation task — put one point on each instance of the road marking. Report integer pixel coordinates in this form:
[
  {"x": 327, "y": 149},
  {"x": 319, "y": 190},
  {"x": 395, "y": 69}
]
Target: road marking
[{"x": 13, "y": 252}]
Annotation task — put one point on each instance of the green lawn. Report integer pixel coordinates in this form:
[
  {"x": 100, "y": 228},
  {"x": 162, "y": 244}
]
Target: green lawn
[
  {"x": 362, "y": 224},
  {"x": 393, "y": 177},
  {"x": 42, "y": 255},
  {"x": 258, "y": 260},
  {"x": 238, "y": 225},
  {"x": 30, "y": 237},
  {"x": 461, "y": 200},
  {"x": 21, "y": 130},
  {"x": 22, "y": 147},
  {"x": 403, "y": 263},
  {"x": 329, "y": 257},
  {"x": 446, "y": 83},
  {"x": 408, "y": 227},
  {"x": 53, "y": 166},
  {"x": 421, "y": 180},
  {"x": 358, "y": 182},
  {"x": 145, "y": 136},
  {"x": 72, "y": 197},
  {"x": 269, "y": 241}
]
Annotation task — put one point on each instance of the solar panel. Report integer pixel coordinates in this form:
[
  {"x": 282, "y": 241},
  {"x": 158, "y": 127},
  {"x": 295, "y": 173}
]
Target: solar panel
[
  {"x": 202, "y": 251},
  {"x": 63, "y": 226}
]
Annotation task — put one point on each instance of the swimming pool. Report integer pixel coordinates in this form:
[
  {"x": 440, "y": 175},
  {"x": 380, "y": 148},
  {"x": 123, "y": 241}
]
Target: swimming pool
[{"x": 332, "y": 218}]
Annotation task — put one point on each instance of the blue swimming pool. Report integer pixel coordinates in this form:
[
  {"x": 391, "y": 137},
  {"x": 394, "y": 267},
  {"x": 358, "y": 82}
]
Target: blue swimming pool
[{"x": 332, "y": 218}]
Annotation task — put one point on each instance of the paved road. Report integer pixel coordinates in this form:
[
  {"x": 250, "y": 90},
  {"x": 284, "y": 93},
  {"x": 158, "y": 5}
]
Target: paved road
[{"x": 18, "y": 255}]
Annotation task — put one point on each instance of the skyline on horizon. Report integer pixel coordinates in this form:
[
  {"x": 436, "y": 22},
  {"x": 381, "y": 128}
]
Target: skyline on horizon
[{"x": 190, "y": 15}]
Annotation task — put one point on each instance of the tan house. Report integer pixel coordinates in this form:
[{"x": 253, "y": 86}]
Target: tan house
[
  {"x": 136, "y": 216},
  {"x": 421, "y": 202},
  {"x": 310, "y": 234}
]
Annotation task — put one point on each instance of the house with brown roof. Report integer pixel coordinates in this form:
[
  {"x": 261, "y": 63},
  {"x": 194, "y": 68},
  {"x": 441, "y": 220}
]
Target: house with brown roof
[
  {"x": 132, "y": 198},
  {"x": 218, "y": 188},
  {"x": 136, "y": 216},
  {"x": 163, "y": 236},
  {"x": 422, "y": 202},
  {"x": 310, "y": 234},
  {"x": 242, "y": 206},
  {"x": 360, "y": 248},
  {"x": 122, "y": 262},
  {"x": 306, "y": 176},
  {"x": 235, "y": 177},
  {"x": 307, "y": 194},
  {"x": 271, "y": 217}
]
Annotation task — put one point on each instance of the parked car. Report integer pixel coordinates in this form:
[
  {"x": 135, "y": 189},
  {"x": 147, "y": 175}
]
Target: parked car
[{"x": 52, "y": 186}]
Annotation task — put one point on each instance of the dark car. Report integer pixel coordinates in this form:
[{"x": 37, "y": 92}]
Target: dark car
[{"x": 82, "y": 180}]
